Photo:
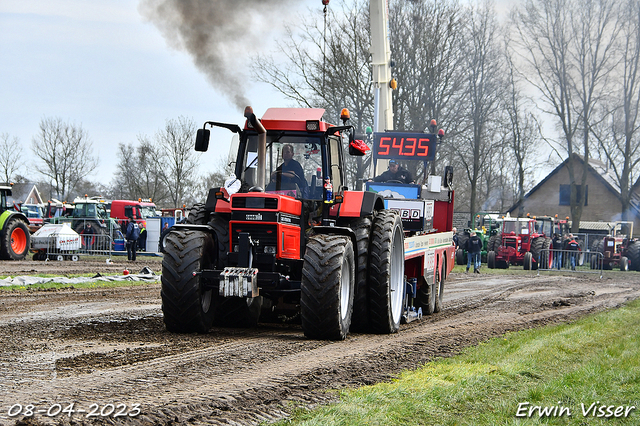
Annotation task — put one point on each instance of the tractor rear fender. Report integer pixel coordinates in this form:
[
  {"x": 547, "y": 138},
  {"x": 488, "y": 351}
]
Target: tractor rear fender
[
  {"x": 338, "y": 230},
  {"x": 11, "y": 214},
  {"x": 358, "y": 204}
]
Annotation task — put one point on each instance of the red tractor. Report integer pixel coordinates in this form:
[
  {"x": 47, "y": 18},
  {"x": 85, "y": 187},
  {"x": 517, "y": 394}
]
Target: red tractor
[
  {"x": 618, "y": 249},
  {"x": 286, "y": 241},
  {"x": 524, "y": 241}
]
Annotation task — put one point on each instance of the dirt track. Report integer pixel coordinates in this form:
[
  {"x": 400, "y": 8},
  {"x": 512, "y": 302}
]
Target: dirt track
[{"x": 109, "y": 346}]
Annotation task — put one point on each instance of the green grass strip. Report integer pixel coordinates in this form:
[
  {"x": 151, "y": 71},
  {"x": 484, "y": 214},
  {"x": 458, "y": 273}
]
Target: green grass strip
[{"x": 557, "y": 368}]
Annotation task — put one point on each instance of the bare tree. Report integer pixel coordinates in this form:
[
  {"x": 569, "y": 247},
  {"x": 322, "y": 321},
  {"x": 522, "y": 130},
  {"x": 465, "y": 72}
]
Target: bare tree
[
  {"x": 327, "y": 67},
  {"x": 11, "y": 157},
  {"x": 426, "y": 37},
  {"x": 178, "y": 159},
  {"x": 617, "y": 135},
  {"x": 483, "y": 68},
  {"x": 523, "y": 127},
  {"x": 65, "y": 152},
  {"x": 569, "y": 47}
]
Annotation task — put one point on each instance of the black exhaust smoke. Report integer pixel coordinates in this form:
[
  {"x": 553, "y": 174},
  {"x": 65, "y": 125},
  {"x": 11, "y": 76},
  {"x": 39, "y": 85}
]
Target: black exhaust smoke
[{"x": 216, "y": 33}]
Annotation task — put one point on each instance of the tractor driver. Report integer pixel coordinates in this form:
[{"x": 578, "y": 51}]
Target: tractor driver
[
  {"x": 395, "y": 173},
  {"x": 290, "y": 170}
]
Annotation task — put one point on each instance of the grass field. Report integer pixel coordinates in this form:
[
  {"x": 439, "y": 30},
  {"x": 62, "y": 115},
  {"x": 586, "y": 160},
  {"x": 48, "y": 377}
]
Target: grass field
[{"x": 583, "y": 373}]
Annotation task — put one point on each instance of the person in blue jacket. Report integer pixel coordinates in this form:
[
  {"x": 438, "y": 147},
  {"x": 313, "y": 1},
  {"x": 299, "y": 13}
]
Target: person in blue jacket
[{"x": 133, "y": 233}]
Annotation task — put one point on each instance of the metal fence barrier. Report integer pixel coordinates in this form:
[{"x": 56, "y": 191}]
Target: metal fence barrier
[
  {"x": 84, "y": 245},
  {"x": 570, "y": 260}
]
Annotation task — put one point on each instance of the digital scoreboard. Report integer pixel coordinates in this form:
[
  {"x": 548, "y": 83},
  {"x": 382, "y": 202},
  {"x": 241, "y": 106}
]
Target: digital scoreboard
[{"x": 404, "y": 146}]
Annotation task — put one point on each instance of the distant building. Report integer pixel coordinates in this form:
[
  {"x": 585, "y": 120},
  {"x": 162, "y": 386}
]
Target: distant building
[
  {"x": 25, "y": 193},
  {"x": 603, "y": 202}
]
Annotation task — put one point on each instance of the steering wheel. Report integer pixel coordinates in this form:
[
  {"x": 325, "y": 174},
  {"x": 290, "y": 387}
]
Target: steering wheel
[{"x": 394, "y": 181}]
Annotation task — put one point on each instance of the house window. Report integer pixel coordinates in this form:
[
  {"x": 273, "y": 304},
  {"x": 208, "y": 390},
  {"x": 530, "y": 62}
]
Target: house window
[{"x": 565, "y": 195}]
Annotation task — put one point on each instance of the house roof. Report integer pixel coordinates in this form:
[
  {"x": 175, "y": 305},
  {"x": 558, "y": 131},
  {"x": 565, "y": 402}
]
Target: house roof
[
  {"x": 600, "y": 170},
  {"x": 20, "y": 192}
]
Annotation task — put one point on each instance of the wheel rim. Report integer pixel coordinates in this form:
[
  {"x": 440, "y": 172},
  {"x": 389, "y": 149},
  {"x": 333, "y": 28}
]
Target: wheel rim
[
  {"x": 18, "y": 240},
  {"x": 345, "y": 289},
  {"x": 397, "y": 276}
]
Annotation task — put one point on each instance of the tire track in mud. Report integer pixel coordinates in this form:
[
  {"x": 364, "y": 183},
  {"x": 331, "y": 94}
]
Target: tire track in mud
[{"x": 251, "y": 376}]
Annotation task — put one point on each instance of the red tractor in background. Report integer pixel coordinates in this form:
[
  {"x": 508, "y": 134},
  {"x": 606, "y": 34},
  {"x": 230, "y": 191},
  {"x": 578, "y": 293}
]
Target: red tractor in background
[
  {"x": 619, "y": 249},
  {"x": 524, "y": 240}
]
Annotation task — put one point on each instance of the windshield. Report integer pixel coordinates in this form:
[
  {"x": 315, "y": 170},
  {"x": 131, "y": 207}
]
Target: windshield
[
  {"x": 293, "y": 165},
  {"x": 90, "y": 210},
  {"x": 148, "y": 211}
]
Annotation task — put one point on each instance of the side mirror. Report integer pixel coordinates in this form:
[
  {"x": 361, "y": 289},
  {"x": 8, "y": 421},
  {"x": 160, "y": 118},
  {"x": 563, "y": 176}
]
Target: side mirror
[{"x": 202, "y": 140}]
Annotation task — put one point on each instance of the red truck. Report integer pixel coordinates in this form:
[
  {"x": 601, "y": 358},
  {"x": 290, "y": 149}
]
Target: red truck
[{"x": 139, "y": 210}]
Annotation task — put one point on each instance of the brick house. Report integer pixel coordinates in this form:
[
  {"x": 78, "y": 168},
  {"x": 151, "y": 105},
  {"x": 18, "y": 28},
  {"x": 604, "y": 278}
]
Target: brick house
[{"x": 603, "y": 205}]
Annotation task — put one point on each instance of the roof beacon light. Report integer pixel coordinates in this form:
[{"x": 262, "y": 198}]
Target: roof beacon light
[
  {"x": 344, "y": 114},
  {"x": 433, "y": 125},
  {"x": 393, "y": 84}
]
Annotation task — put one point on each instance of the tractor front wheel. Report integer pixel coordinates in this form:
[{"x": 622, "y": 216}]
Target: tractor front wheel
[
  {"x": 16, "y": 240},
  {"x": 328, "y": 278},
  {"x": 188, "y": 306},
  {"x": 386, "y": 272},
  {"x": 491, "y": 259}
]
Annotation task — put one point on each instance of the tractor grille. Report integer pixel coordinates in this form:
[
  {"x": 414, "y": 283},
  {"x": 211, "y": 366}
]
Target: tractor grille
[
  {"x": 255, "y": 203},
  {"x": 265, "y": 235},
  {"x": 511, "y": 242}
]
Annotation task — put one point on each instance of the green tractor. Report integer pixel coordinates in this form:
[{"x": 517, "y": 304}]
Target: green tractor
[
  {"x": 487, "y": 226},
  {"x": 15, "y": 239}
]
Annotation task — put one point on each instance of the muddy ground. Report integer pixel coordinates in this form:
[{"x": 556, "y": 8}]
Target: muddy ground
[{"x": 107, "y": 350}]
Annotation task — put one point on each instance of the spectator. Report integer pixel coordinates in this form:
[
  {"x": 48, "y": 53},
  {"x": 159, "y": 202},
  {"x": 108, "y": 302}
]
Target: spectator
[
  {"x": 573, "y": 248},
  {"x": 395, "y": 174},
  {"x": 88, "y": 238},
  {"x": 474, "y": 247},
  {"x": 133, "y": 233},
  {"x": 456, "y": 242},
  {"x": 557, "y": 251}
]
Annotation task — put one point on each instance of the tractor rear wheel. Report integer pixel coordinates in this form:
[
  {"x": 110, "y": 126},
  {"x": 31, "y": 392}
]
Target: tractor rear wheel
[
  {"x": 328, "y": 278},
  {"x": 360, "y": 317},
  {"x": 386, "y": 272},
  {"x": 187, "y": 305},
  {"x": 491, "y": 259},
  {"x": 460, "y": 257},
  {"x": 536, "y": 250},
  {"x": 494, "y": 243},
  {"x": 198, "y": 215},
  {"x": 16, "y": 240}
]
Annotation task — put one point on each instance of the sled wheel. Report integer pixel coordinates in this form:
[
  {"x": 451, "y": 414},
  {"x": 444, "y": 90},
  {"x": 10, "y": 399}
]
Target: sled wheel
[
  {"x": 426, "y": 297},
  {"x": 439, "y": 287},
  {"x": 328, "y": 278},
  {"x": 386, "y": 272},
  {"x": 187, "y": 305}
]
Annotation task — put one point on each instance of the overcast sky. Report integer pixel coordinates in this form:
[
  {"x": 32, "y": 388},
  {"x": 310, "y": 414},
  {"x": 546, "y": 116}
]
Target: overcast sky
[{"x": 102, "y": 65}]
